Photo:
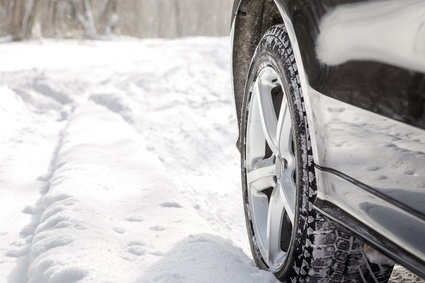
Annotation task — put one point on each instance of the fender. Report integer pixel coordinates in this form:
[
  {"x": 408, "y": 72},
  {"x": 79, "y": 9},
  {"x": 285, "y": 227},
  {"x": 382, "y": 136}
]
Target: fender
[{"x": 246, "y": 31}]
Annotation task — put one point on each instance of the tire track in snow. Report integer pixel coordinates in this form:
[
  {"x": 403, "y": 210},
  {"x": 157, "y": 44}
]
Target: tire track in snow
[
  {"x": 67, "y": 223},
  {"x": 183, "y": 125},
  {"x": 41, "y": 212}
]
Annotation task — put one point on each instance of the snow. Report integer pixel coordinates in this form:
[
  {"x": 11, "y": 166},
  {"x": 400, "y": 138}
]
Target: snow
[
  {"x": 402, "y": 275},
  {"x": 118, "y": 164}
]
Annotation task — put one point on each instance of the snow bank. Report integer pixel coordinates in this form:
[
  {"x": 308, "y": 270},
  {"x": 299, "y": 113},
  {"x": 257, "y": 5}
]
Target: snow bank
[
  {"x": 98, "y": 202},
  {"x": 193, "y": 259}
]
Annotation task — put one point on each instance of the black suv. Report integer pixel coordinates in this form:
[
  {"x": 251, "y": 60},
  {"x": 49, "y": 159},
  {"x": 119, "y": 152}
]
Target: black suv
[{"x": 330, "y": 98}]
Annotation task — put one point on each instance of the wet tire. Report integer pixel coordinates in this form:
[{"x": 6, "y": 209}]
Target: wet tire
[{"x": 319, "y": 250}]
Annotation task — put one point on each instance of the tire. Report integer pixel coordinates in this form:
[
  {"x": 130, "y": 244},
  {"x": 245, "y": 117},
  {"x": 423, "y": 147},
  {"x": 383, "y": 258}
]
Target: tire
[{"x": 312, "y": 247}]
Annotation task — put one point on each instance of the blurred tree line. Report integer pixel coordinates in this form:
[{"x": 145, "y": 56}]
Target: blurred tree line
[{"x": 23, "y": 19}]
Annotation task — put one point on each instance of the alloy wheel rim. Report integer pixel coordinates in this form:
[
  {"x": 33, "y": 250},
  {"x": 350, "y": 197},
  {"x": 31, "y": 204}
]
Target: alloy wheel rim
[{"x": 270, "y": 168}]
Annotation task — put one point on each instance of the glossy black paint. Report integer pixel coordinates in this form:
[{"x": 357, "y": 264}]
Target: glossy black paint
[
  {"x": 382, "y": 153},
  {"x": 367, "y": 120},
  {"x": 384, "y": 89}
]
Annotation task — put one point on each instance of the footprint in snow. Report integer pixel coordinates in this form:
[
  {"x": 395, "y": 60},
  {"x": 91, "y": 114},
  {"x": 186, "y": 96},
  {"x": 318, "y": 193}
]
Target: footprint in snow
[
  {"x": 135, "y": 219},
  {"x": 29, "y": 210},
  {"x": 136, "y": 248},
  {"x": 157, "y": 228},
  {"x": 119, "y": 230},
  {"x": 171, "y": 204},
  {"x": 19, "y": 243},
  {"x": 156, "y": 253},
  {"x": 136, "y": 243},
  {"x": 17, "y": 253}
]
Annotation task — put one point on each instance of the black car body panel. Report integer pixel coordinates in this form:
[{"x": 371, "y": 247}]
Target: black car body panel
[{"x": 366, "y": 109}]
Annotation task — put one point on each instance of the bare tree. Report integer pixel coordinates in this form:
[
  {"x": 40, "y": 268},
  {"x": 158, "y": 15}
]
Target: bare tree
[
  {"x": 16, "y": 21},
  {"x": 21, "y": 19},
  {"x": 84, "y": 14},
  {"x": 107, "y": 17},
  {"x": 32, "y": 19}
]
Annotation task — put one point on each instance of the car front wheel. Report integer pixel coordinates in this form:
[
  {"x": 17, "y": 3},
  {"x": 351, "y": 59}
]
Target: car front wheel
[{"x": 287, "y": 236}]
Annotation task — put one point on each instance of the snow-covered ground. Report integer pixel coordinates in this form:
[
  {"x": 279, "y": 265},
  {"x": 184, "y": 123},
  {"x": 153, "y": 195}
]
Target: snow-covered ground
[{"x": 118, "y": 164}]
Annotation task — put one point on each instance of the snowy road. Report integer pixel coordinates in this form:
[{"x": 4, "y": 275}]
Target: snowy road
[{"x": 118, "y": 164}]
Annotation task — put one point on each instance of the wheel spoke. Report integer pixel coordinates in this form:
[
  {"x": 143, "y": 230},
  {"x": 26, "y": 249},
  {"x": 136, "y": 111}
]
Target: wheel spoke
[
  {"x": 287, "y": 187},
  {"x": 275, "y": 215},
  {"x": 255, "y": 148},
  {"x": 284, "y": 134},
  {"x": 262, "y": 176},
  {"x": 267, "y": 113},
  {"x": 258, "y": 214}
]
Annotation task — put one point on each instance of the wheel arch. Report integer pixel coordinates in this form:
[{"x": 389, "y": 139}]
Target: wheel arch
[{"x": 250, "y": 20}]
